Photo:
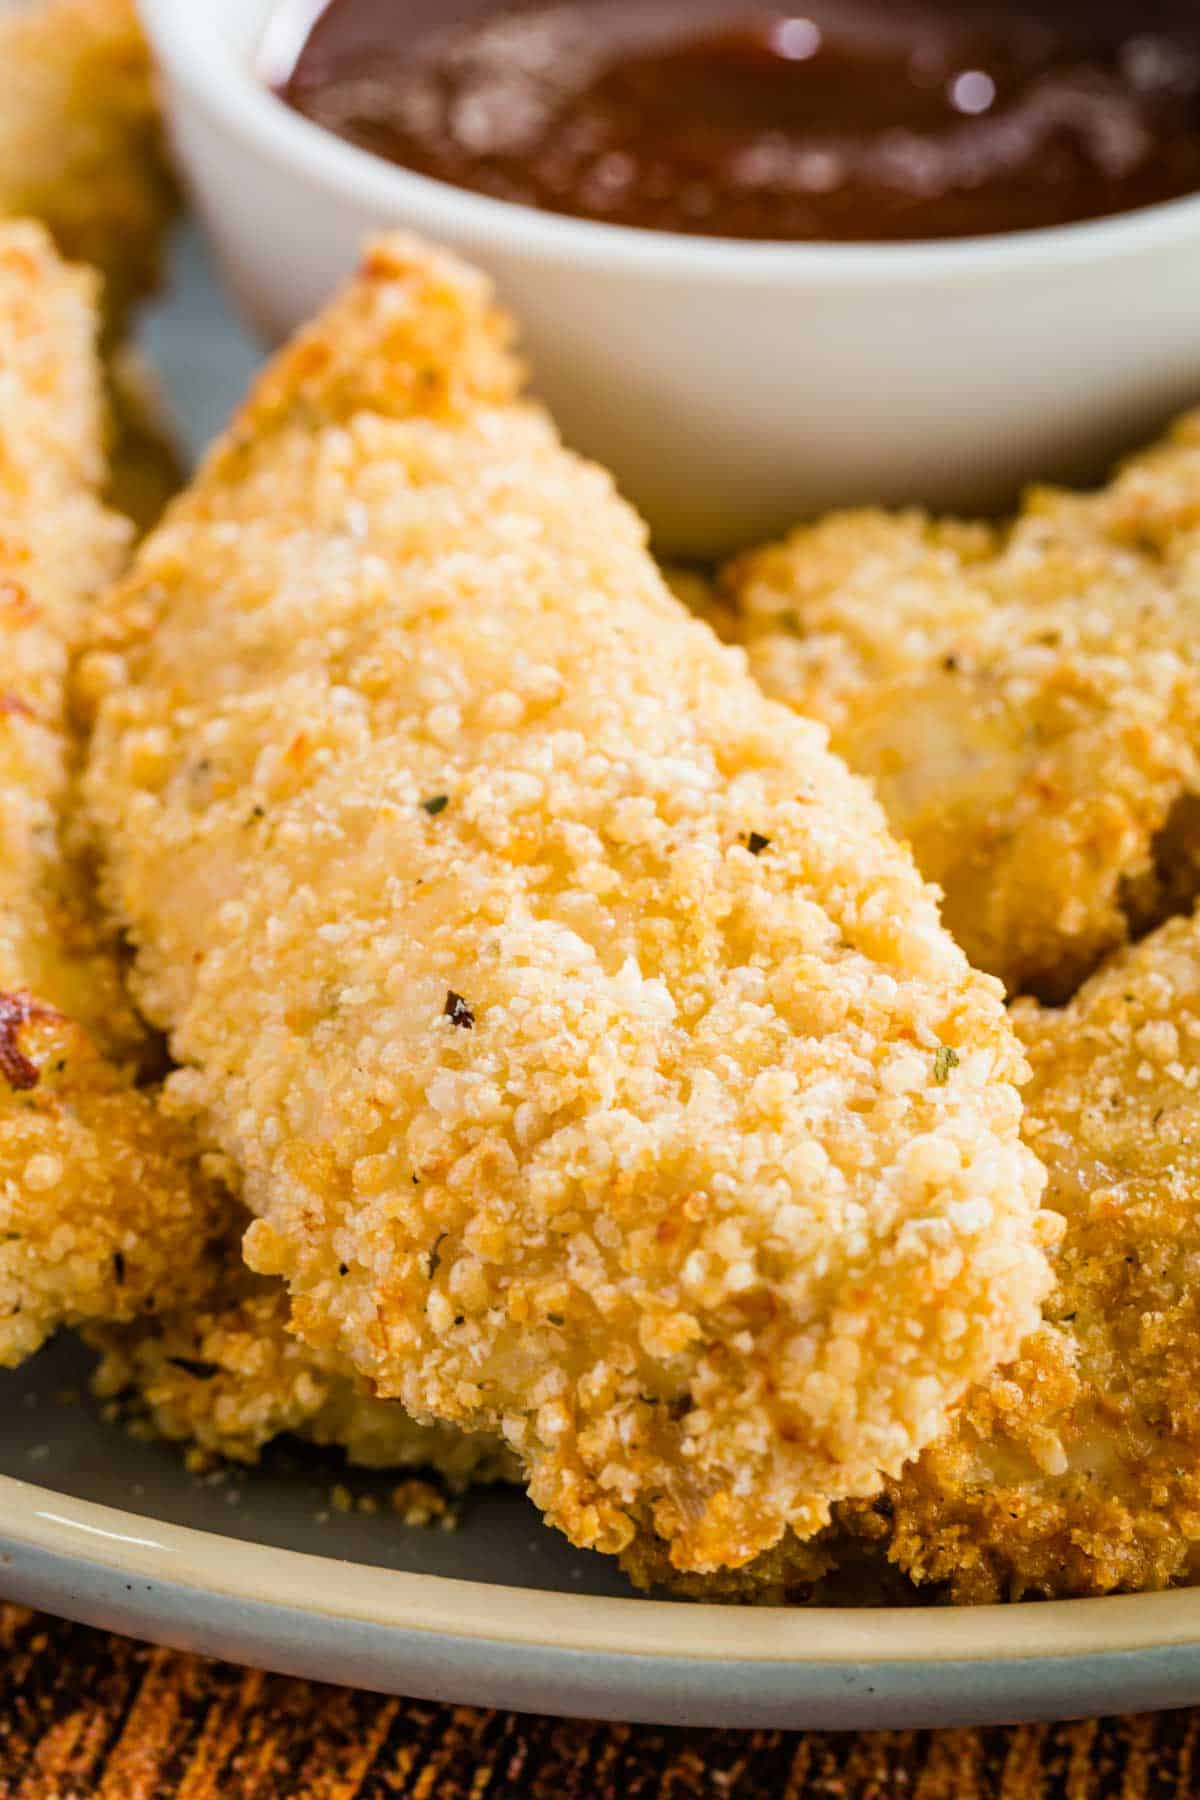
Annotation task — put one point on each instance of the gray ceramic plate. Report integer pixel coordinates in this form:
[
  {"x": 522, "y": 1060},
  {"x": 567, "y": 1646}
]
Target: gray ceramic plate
[{"x": 257, "y": 1567}]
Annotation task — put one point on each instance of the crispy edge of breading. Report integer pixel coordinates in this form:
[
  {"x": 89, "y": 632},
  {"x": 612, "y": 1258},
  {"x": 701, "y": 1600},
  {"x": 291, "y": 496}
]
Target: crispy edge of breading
[{"x": 226, "y": 1375}]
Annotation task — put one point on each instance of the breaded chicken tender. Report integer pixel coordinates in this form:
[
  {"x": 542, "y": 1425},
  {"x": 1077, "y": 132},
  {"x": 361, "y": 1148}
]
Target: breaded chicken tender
[
  {"x": 82, "y": 149},
  {"x": 227, "y": 1375},
  {"x": 1027, "y": 701},
  {"x": 1077, "y": 1470},
  {"x": 102, "y": 1202},
  {"x": 81, "y": 139},
  {"x": 594, "y": 1062}
]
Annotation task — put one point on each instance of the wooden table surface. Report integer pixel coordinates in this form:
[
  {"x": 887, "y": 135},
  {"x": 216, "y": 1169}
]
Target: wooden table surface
[{"x": 89, "y": 1717}]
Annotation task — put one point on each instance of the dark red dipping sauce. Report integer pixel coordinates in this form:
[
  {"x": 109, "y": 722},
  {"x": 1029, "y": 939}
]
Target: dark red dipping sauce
[{"x": 844, "y": 120}]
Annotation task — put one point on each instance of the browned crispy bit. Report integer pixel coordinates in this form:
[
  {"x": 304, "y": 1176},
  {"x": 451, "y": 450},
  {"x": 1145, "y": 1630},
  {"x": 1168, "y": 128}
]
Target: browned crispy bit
[{"x": 16, "y": 1010}]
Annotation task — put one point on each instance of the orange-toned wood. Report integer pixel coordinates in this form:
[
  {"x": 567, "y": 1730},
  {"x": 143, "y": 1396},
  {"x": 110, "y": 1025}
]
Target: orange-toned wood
[{"x": 89, "y": 1717}]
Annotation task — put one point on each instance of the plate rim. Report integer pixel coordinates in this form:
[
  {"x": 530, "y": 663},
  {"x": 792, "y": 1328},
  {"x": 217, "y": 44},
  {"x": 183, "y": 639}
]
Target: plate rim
[{"x": 40, "y": 1520}]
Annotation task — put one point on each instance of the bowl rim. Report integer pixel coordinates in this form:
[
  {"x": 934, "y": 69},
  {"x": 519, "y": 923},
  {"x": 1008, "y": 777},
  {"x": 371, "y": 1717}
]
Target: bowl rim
[
  {"x": 41, "y": 1521},
  {"x": 192, "y": 44}
]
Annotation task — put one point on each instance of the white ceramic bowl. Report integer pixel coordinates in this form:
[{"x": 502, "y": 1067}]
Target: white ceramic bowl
[{"x": 732, "y": 387}]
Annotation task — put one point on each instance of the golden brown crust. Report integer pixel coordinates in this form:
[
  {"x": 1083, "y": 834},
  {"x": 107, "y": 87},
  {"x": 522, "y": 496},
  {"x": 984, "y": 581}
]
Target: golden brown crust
[
  {"x": 1027, "y": 701},
  {"x": 789, "y": 1574},
  {"x": 102, "y": 1201},
  {"x": 81, "y": 139},
  {"x": 1077, "y": 1470},
  {"x": 227, "y": 1375},
  {"x": 594, "y": 1061}
]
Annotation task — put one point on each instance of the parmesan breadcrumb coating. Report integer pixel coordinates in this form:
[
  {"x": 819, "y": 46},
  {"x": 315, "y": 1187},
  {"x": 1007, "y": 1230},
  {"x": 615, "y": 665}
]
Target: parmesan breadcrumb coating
[
  {"x": 1077, "y": 1470},
  {"x": 595, "y": 1063},
  {"x": 227, "y": 1375},
  {"x": 81, "y": 139},
  {"x": 1027, "y": 701},
  {"x": 101, "y": 1201}
]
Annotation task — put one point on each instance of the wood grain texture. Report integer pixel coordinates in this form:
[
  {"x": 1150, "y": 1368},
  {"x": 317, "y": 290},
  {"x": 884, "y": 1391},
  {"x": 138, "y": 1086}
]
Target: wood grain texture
[{"x": 89, "y": 1717}]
